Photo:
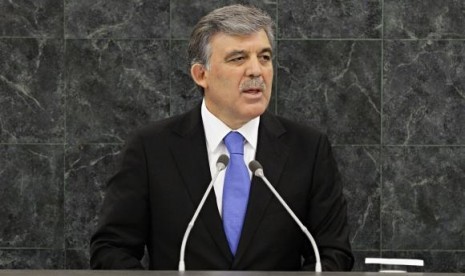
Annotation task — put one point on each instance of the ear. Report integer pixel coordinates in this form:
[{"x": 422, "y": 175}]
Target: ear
[{"x": 198, "y": 73}]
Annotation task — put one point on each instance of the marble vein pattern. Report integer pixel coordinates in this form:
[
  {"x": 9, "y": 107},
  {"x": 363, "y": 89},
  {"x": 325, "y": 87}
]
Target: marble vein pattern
[
  {"x": 31, "y": 185},
  {"x": 330, "y": 19},
  {"x": 87, "y": 171},
  {"x": 184, "y": 93},
  {"x": 424, "y": 93},
  {"x": 360, "y": 173},
  {"x": 114, "y": 86},
  {"x": 333, "y": 86},
  {"x": 424, "y": 19},
  {"x": 423, "y": 192},
  {"x": 31, "y": 91},
  {"x": 117, "y": 19},
  {"x": 31, "y": 18},
  {"x": 186, "y": 13}
]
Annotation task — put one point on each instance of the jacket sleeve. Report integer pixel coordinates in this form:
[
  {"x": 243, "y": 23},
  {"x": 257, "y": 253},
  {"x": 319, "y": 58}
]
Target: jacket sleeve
[
  {"x": 327, "y": 216},
  {"x": 122, "y": 231}
]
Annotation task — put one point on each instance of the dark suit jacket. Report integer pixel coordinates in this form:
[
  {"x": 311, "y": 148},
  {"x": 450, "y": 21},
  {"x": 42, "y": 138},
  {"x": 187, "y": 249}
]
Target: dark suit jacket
[{"x": 163, "y": 176}]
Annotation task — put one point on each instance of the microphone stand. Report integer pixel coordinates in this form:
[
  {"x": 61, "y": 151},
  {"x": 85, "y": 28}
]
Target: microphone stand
[
  {"x": 220, "y": 165},
  {"x": 257, "y": 170}
]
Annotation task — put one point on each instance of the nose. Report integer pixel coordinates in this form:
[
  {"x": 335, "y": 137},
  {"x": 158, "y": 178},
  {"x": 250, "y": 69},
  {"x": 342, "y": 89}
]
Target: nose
[{"x": 254, "y": 68}]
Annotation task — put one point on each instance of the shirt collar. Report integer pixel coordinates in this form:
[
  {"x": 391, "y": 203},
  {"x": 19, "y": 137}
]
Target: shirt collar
[{"x": 216, "y": 130}]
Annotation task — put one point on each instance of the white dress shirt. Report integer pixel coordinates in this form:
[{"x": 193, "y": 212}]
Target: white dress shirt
[{"x": 215, "y": 131}]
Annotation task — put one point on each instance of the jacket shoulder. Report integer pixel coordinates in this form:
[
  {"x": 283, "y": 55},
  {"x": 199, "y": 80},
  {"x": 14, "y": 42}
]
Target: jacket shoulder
[
  {"x": 178, "y": 124},
  {"x": 298, "y": 129}
]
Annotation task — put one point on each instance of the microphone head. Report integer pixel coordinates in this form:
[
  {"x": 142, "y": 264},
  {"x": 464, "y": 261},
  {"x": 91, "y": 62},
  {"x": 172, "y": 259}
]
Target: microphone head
[
  {"x": 222, "y": 161},
  {"x": 255, "y": 167}
]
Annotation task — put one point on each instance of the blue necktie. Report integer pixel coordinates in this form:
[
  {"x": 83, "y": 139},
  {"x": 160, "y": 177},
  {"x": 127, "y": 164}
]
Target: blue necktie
[{"x": 236, "y": 190}]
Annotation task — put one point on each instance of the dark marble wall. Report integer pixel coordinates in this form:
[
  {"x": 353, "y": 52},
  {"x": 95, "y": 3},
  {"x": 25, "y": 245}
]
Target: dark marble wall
[{"x": 385, "y": 80}]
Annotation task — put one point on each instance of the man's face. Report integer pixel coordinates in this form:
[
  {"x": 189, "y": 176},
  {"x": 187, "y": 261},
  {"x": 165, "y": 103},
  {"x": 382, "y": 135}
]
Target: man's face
[{"x": 238, "y": 82}]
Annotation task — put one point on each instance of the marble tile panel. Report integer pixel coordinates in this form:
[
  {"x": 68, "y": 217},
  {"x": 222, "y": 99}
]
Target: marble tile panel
[
  {"x": 31, "y": 259},
  {"x": 422, "y": 198},
  {"x": 184, "y": 93},
  {"x": 31, "y": 18},
  {"x": 360, "y": 172},
  {"x": 31, "y": 185},
  {"x": 114, "y": 86},
  {"x": 424, "y": 92},
  {"x": 333, "y": 86},
  {"x": 419, "y": 19},
  {"x": 31, "y": 91},
  {"x": 185, "y": 13},
  {"x": 330, "y": 19},
  {"x": 435, "y": 261},
  {"x": 87, "y": 170},
  {"x": 137, "y": 19}
]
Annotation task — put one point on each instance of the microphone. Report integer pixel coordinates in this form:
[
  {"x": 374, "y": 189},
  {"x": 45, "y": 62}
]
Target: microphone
[
  {"x": 221, "y": 164},
  {"x": 257, "y": 170}
]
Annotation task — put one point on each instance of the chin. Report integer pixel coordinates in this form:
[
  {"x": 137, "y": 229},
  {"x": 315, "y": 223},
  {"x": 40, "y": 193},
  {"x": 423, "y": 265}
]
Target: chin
[{"x": 255, "y": 112}]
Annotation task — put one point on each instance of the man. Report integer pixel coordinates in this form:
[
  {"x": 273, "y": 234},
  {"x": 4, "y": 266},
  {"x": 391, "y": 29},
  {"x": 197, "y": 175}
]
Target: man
[{"x": 168, "y": 165}]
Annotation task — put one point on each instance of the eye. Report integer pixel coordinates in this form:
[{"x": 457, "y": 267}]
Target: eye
[
  {"x": 237, "y": 59},
  {"x": 265, "y": 57}
]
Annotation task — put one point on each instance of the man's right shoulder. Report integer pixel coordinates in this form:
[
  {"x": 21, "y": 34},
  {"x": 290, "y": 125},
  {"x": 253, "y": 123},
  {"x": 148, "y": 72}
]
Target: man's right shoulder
[
  {"x": 157, "y": 127},
  {"x": 167, "y": 126}
]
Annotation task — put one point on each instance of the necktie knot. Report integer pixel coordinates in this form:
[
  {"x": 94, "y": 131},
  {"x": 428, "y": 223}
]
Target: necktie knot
[{"x": 234, "y": 142}]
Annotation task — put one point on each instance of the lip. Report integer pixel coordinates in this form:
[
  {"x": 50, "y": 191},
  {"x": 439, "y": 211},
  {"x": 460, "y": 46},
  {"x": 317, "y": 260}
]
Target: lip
[{"x": 253, "y": 93}]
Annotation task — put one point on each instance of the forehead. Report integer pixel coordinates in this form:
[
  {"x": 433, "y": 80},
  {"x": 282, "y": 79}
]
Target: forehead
[{"x": 224, "y": 43}]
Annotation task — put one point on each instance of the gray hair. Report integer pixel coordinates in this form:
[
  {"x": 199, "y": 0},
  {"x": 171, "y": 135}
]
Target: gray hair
[{"x": 231, "y": 20}]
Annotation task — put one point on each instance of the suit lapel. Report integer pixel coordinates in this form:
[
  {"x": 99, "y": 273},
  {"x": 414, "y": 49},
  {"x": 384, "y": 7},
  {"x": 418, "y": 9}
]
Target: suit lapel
[
  {"x": 272, "y": 154},
  {"x": 189, "y": 151}
]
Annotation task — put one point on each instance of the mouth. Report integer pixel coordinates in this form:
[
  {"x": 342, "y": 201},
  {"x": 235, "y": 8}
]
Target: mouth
[
  {"x": 252, "y": 94},
  {"x": 252, "y": 90},
  {"x": 253, "y": 87}
]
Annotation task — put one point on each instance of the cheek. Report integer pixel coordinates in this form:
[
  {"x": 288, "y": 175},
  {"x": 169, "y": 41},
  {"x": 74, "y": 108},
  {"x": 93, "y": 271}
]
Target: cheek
[
  {"x": 225, "y": 81},
  {"x": 269, "y": 85},
  {"x": 269, "y": 73}
]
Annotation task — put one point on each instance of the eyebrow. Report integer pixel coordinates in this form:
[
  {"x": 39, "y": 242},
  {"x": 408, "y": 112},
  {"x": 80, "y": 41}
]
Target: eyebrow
[
  {"x": 243, "y": 52},
  {"x": 266, "y": 50}
]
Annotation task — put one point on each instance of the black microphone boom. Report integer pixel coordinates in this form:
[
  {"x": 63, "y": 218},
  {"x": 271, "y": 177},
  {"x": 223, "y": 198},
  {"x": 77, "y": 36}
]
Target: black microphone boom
[
  {"x": 257, "y": 170},
  {"x": 221, "y": 164}
]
